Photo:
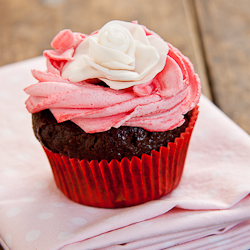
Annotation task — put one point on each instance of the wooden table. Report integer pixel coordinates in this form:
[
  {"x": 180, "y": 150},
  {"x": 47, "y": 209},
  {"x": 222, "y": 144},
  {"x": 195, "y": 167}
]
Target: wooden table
[{"x": 214, "y": 34}]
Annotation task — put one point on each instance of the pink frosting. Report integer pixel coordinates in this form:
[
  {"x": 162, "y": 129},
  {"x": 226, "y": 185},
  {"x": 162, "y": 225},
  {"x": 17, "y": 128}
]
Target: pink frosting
[{"x": 157, "y": 105}]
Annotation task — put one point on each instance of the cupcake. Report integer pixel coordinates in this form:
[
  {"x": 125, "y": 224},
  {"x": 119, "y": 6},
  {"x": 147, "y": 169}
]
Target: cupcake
[{"x": 114, "y": 113}]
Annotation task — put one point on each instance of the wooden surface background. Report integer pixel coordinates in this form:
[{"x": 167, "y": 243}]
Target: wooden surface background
[{"x": 214, "y": 34}]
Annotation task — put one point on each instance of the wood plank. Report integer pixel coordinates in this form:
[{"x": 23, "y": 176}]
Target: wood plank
[
  {"x": 225, "y": 29},
  {"x": 28, "y": 30},
  {"x": 194, "y": 32}
]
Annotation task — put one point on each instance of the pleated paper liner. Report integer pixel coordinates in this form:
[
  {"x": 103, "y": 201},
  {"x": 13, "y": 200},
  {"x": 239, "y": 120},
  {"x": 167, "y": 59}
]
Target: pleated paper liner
[{"x": 123, "y": 183}]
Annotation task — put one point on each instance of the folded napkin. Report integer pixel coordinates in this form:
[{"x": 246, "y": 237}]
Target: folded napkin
[{"x": 210, "y": 209}]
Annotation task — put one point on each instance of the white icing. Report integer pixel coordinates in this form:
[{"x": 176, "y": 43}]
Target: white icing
[{"x": 120, "y": 54}]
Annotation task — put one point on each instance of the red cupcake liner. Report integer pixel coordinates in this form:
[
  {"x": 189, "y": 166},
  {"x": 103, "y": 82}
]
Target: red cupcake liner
[{"x": 123, "y": 183}]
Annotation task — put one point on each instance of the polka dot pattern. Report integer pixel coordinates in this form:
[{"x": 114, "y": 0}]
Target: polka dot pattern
[
  {"x": 41, "y": 184},
  {"x": 79, "y": 221},
  {"x": 45, "y": 216},
  {"x": 32, "y": 235},
  {"x": 6, "y": 133},
  {"x": 113, "y": 218},
  {"x": 59, "y": 204},
  {"x": 22, "y": 156},
  {"x": 12, "y": 212},
  {"x": 10, "y": 172},
  {"x": 65, "y": 235}
]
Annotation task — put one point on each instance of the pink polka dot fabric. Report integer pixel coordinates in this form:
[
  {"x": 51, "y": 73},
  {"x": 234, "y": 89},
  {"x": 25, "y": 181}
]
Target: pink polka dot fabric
[{"x": 210, "y": 209}]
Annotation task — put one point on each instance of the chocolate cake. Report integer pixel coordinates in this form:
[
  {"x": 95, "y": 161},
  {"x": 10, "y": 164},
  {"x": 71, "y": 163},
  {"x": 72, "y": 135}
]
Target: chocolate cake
[{"x": 68, "y": 139}]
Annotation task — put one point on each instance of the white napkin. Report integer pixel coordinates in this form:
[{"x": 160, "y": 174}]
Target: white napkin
[{"x": 210, "y": 209}]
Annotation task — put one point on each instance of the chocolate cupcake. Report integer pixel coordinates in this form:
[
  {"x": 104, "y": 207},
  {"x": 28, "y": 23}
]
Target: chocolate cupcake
[{"x": 114, "y": 112}]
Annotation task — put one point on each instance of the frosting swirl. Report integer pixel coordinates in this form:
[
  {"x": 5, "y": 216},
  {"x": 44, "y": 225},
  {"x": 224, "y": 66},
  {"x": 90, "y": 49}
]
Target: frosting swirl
[{"x": 154, "y": 91}]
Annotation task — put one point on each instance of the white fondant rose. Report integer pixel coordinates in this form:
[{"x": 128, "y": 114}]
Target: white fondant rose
[{"x": 120, "y": 54}]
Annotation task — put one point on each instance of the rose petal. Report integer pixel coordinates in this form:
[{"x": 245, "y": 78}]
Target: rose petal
[
  {"x": 116, "y": 37},
  {"x": 63, "y": 40},
  {"x": 78, "y": 38},
  {"x": 80, "y": 69},
  {"x": 51, "y": 68},
  {"x": 170, "y": 80},
  {"x": 59, "y": 55},
  {"x": 103, "y": 55},
  {"x": 146, "y": 59}
]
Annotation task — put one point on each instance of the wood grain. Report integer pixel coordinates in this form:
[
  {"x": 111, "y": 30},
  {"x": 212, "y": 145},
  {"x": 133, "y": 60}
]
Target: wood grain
[
  {"x": 194, "y": 32},
  {"x": 225, "y": 29}
]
